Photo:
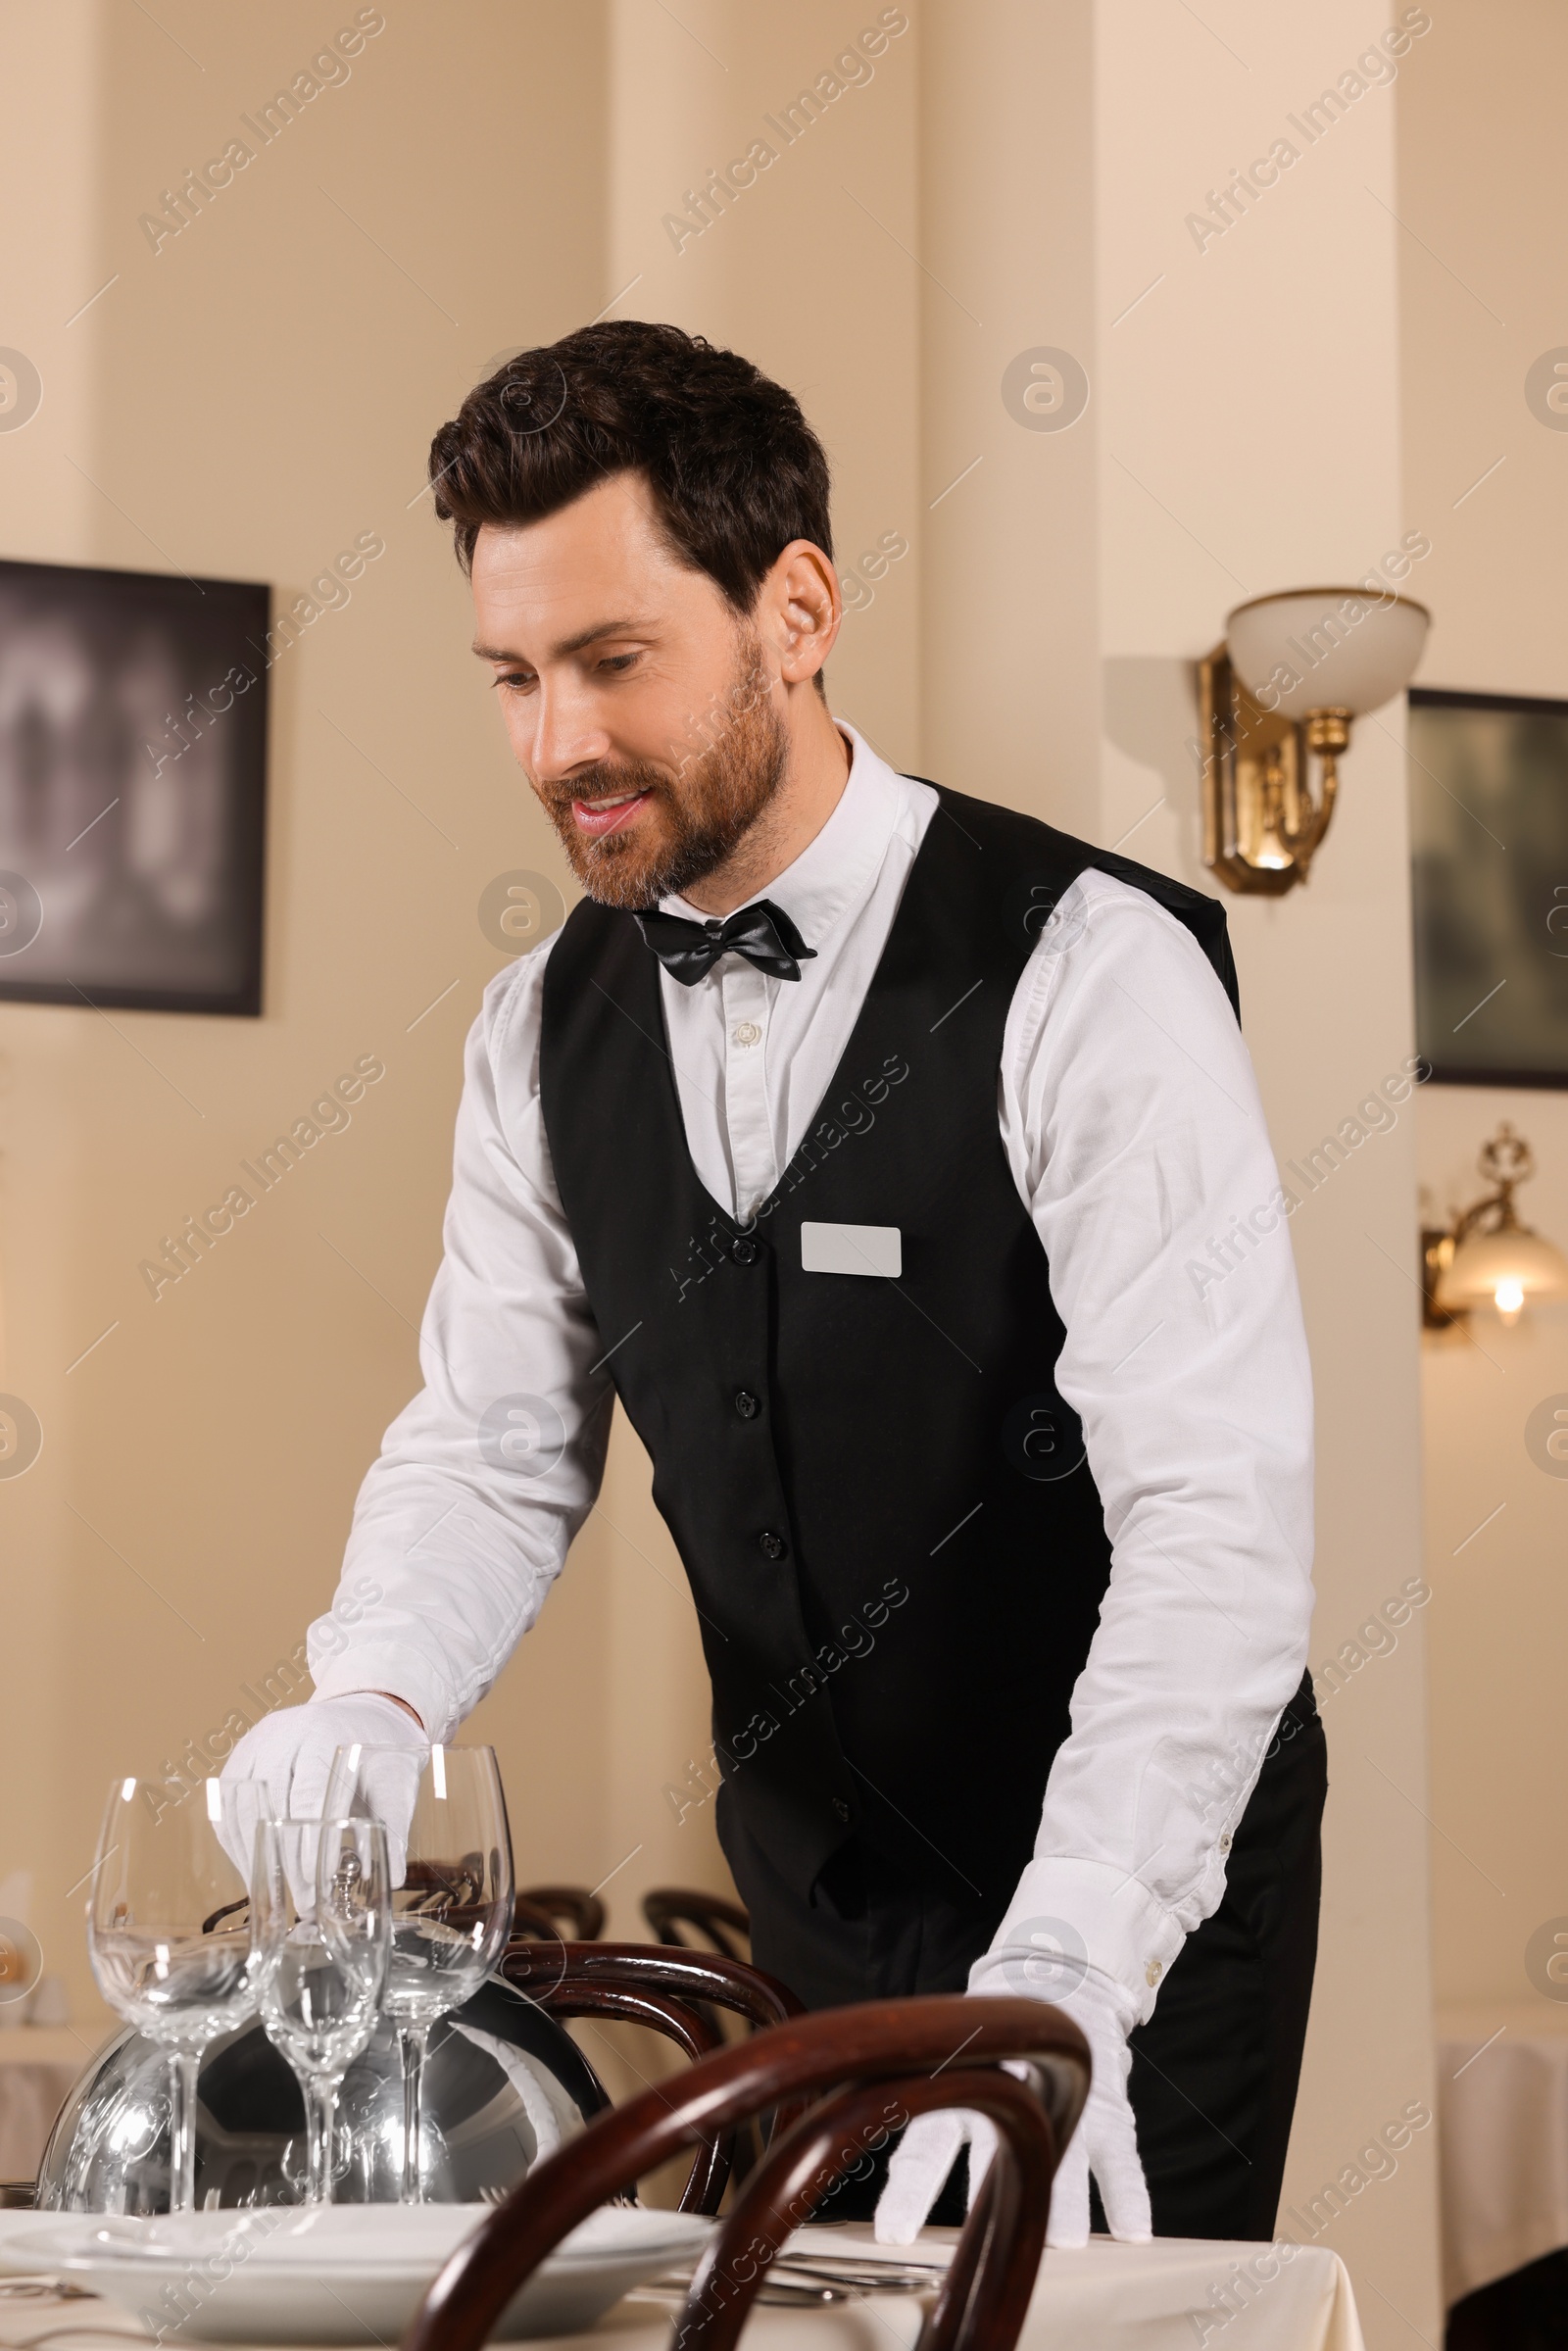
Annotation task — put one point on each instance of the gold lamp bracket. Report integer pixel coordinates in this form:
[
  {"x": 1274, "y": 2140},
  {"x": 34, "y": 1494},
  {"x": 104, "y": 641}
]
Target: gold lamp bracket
[
  {"x": 1261, "y": 820},
  {"x": 1436, "y": 1255}
]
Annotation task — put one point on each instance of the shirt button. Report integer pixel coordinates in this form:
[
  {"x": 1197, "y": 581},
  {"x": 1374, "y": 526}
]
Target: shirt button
[
  {"x": 746, "y": 1405},
  {"x": 1152, "y": 1974},
  {"x": 771, "y": 1546},
  {"x": 747, "y": 1032},
  {"x": 841, "y": 1808},
  {"x": 1224, "y": 1844},
  {"x": 744, "y": 1251}
]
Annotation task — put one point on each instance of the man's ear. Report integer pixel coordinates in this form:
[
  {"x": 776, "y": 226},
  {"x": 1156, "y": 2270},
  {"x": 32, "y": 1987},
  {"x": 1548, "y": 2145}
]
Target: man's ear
[{"x": 798, "y": 609}]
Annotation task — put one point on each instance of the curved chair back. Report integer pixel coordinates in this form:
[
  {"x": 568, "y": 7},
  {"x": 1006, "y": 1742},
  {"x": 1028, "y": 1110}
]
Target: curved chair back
[
  {"x": 869, "y": 2070},
  {"x": 671, "y": 1994},
  {"x": 670, "y": 1908},
  {"x": 681, "y": 1914},
  {"x": 564, "y": 1910}
]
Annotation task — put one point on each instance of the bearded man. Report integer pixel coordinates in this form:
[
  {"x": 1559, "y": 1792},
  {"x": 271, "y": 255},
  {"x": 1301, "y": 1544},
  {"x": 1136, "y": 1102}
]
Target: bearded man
[{"x": 861, "y": 1137}]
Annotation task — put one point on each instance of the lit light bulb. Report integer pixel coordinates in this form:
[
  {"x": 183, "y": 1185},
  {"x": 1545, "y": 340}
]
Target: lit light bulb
[{"x": 1509, "y": 1298}]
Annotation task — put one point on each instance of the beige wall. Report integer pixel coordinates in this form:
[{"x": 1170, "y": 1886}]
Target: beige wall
[
  {"x": 1480, "y": 300},
  {"x": 42, "y": 148},
  {"x": 262, "y": 389},
  {"x": 1010, "y": 632}
]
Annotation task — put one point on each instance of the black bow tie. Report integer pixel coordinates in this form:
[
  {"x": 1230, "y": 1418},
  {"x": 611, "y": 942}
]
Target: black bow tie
[{"x": 762, "y": 933}]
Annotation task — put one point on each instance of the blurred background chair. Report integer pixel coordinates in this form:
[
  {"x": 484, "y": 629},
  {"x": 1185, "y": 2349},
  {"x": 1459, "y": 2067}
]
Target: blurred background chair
[
  {"x": 673, "y": 1994},
  {"x": 686, "y": 1917},
  {"x": 677, "y": 1913},
  {"x": 865, "y": 2072},
  {"x": 569, "y": 1911}
]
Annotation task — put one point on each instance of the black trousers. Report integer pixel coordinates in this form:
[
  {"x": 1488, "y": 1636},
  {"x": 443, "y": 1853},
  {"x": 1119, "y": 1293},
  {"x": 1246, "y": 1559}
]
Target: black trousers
[{"x": 1215, "y": 2069}]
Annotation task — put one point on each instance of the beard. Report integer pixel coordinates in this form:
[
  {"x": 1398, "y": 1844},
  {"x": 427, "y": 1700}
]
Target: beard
[{"x": 696, "y": 812}]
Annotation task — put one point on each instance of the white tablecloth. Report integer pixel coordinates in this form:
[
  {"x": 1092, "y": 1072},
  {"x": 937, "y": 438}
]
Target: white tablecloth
[
  {"x": 1154, "y": 2297},
  {"x": 1159, "y": 2297},
  {"x": 1179, "y": 2291},
  {"x": 1502, "y": 2110}
]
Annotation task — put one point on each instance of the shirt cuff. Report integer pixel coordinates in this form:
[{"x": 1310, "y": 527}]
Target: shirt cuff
[
  {"x": 400, "y": 1672},
  {"x": 1087, "y": 1911}
]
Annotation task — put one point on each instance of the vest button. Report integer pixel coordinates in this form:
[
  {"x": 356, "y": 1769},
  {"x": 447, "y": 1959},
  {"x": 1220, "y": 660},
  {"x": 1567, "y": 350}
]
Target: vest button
[
  {"x": 841, "y": 1808},
  {"x": 746, "y": 1405},
  {"x": 771, "y": 1546},
  {"x": 744, "y": 1251}
]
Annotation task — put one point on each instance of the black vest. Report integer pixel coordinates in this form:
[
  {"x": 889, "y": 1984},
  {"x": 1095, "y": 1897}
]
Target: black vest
[{"x": 892, "y": 1535}]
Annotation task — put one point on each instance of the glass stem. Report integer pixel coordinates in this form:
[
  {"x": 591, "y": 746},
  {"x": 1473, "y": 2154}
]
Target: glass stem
[
  {"x": 183, "y": 2067},
  {"x": 412, "y": 2039},
  {"x": 321, "y": 2109}
]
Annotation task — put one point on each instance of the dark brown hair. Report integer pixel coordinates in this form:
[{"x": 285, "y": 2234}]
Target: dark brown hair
[{"x": 735, "y": 469}]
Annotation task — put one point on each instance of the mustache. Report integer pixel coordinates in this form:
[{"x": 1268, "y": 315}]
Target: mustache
[{"x": 601, "y": 780}]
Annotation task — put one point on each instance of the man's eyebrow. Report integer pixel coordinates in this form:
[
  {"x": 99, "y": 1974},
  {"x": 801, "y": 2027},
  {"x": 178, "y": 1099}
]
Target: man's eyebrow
[{"x": 569, "y": 645}]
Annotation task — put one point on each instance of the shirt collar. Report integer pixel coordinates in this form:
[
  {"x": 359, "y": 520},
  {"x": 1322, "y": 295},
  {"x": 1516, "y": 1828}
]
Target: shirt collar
[{"x": 835, "y": 868}]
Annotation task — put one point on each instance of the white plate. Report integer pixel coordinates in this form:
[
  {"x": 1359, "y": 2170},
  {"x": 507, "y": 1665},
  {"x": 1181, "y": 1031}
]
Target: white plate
[
  {"x": 15, "y": 2220},
  {"x": 351, "y": 2274}
]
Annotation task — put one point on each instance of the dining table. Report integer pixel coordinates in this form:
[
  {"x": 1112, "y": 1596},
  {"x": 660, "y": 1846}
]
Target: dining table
[
  {"x": 1502, "y": 2111},
  {"x": 1170, "y": 2295}
]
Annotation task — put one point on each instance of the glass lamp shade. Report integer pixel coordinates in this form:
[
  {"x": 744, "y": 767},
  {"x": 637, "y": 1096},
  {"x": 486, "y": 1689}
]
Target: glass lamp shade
[
  {"x": 1503, "y": 1270},
  {"x": 1326, "y": 648}
]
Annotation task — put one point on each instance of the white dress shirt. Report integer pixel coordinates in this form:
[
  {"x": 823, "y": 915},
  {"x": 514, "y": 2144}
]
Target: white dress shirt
[{"x": 1130, "y": 1116}]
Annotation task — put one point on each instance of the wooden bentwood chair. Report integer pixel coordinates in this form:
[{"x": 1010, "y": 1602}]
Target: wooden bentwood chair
[
  {"x": 866, "y": 2071},
  {"x": 672, "y": 1993}
]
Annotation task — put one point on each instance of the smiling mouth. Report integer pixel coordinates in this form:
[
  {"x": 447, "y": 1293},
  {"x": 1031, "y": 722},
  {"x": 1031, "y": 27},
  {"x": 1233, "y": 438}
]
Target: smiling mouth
[{"x": 597, "y": 817}]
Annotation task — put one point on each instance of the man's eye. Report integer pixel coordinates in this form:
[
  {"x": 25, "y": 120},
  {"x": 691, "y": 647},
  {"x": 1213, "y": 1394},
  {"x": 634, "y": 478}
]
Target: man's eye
[
  {"x": 618, "y": 660},
  {"x": 517, "y": 679}
]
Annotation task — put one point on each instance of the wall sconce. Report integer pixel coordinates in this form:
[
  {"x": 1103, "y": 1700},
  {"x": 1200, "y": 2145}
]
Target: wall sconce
[
  {"x": 1485, "y": 1257},
  {"x": 1282, "y": 686}
]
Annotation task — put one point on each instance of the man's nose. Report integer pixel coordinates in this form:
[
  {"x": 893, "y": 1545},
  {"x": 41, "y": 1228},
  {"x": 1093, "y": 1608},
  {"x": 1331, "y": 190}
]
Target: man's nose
[{"x": 566, "y": 735}]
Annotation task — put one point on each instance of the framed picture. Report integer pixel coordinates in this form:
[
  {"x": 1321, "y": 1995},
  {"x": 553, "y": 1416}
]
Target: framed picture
[
  {"x": 133, "y": 789},
  {"x": 1488, "y": 820}
]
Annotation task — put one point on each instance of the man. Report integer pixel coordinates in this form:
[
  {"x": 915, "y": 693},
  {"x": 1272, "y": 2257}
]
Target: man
[{"x": 897, "y": 1161}]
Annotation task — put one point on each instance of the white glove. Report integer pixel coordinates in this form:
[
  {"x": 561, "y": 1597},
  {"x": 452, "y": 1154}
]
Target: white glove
[
  {"x": 1104, "y": 2142},
  {"x": 281, "y": 1769}
]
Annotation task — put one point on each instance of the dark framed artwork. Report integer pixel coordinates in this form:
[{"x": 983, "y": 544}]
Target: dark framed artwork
[
  {"x": 1489, "y": 821},
  {"x": 133, "y": 789}
]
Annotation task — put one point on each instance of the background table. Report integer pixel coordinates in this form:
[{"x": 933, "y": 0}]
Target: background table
[
  {"x": 1502, "y": 2113},
  {"x": 1114, "y": 2297}
]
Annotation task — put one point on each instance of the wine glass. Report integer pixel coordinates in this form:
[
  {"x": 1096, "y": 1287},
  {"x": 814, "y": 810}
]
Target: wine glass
[
  {"x": 452, "y": 1898},
  {"x": 169, "y": 1936},
  {"x": 321, "y": 1918}
]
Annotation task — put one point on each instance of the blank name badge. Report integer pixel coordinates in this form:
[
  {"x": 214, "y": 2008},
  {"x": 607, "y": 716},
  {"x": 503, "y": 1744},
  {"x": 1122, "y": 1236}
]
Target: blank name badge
[{"x": 851, "y": 1249}]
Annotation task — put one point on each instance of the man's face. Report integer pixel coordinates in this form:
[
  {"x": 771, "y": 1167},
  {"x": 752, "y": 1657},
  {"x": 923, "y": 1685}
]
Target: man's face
[{"x": 640, "y": 705}]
